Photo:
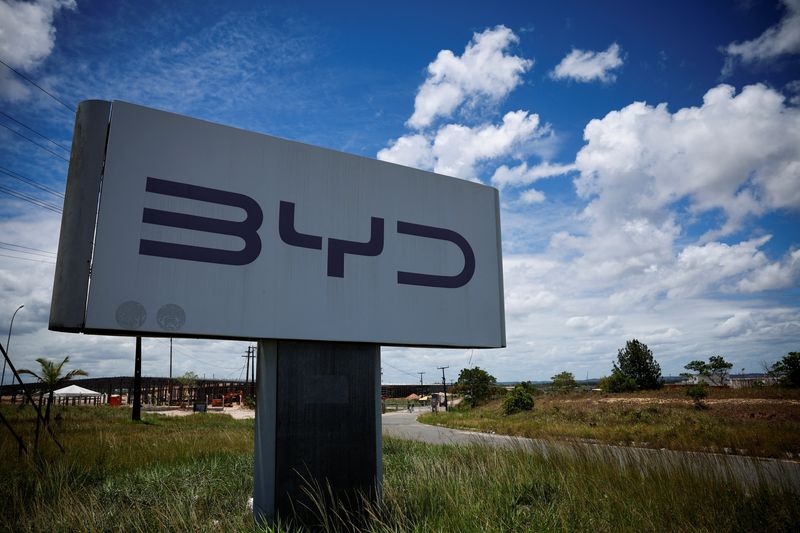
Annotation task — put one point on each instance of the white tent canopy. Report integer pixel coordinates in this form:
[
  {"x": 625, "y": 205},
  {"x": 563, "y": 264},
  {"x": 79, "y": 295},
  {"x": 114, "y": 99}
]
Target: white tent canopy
[{"x": 75, "y": 391}]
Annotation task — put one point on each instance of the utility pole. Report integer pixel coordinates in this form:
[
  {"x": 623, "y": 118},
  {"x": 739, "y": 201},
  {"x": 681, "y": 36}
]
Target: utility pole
[
  {"x": 169, "y": 398},
  {"x": 247, "y": 371},
  {"x": 250, "y": 372},
  {"x": 420, "y": 381},
  {"x": 252, "y": 364},
  {"x": 444, "y": 385}
]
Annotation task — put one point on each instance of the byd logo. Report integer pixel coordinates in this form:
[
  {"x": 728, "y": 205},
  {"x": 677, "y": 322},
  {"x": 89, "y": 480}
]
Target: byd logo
[{"x": 247, "y": 230}]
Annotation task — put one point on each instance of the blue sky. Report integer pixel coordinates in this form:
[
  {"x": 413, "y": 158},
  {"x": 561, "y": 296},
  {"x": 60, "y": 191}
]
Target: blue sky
[{"x": 648, "y": 155}]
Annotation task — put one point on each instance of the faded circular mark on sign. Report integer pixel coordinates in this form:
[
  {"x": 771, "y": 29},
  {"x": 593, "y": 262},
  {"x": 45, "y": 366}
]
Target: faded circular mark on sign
[
  {"x": 171, "y": 317},
  {"x": 131, "y": 315}
]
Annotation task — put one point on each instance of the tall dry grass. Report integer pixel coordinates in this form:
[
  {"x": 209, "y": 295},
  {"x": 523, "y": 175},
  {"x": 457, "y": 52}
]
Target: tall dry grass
[
  {"x": 735, "y": 422},
  {"x": 195, "y": 474}
]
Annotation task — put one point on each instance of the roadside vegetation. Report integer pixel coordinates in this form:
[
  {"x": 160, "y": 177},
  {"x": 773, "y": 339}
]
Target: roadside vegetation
[
  {"x": 632, "y": 407},
  {"x": 180, "y": 474},
  {"x": 762, "y": 421},
  {"x": 194, "y": 473}
]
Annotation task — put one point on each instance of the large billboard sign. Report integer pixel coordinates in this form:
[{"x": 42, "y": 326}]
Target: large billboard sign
[{"x": 205, "y": 230}]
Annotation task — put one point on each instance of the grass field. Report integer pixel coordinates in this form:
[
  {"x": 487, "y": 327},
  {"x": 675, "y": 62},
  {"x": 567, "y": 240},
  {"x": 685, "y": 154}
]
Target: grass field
[
  {"x": 762, "y": 422},
  {"x": 195, "y": 474}
]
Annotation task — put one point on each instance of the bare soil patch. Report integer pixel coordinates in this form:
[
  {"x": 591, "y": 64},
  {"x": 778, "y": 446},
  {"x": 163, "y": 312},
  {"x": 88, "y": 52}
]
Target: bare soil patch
[{"x": 238, "y": 413}]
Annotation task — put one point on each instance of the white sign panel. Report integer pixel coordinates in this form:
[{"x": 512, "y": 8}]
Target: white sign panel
[{"x": 210, "y": 231}]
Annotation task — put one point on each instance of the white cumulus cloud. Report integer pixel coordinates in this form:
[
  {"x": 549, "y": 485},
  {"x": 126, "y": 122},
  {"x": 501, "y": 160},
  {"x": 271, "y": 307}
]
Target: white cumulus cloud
[
  {"x": 532, "y": 196},
  {"x": 456, "y": 149},
  {"x": 587, "y": 66},
  {"x": 777, "y": 275},
  {"x": 483, "y": 71},
  {"x": 27, "y": 37},
  {"x": 737, "y": 152},
  {"x": 523, "y": 174},
  {"x": 624, "y": 261},
  {"x": 411, "y": 151},
  {"x": 702, "y": 267},
  {"x": 594, "y": 325},
  {"x": 481, "y": 76},
  {"x": 783, "y": 38},
  {"x": 736, "y": 325}
]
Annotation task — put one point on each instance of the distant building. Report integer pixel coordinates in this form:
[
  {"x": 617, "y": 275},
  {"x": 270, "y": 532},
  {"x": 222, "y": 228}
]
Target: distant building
[
  {"x": 734, "y": 382},
  {"x": 716, "y": 382},
  {"x": 760, "y": 381}
]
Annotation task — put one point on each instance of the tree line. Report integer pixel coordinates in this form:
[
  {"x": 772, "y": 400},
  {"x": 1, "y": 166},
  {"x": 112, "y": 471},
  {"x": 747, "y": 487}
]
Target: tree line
[{"x": 635, "y": 369}]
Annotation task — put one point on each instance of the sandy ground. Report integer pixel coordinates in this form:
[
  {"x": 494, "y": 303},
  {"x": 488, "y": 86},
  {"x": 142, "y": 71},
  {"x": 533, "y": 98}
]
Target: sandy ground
[
  {"x": 720, "y": 401},
  {"x": 239, "y": 413}
]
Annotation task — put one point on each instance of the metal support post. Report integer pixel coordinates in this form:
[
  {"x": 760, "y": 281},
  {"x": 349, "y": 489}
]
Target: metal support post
[
  {"x": 318, "y": 425},
  {"x": 137, "y": 382}
]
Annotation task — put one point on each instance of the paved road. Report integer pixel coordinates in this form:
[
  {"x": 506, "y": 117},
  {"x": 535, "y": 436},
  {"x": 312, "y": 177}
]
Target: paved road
[{"x": 746, "y": 470}]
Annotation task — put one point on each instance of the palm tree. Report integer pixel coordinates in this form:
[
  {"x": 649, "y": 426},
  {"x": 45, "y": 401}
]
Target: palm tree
[{"x": 50, "y": 377}]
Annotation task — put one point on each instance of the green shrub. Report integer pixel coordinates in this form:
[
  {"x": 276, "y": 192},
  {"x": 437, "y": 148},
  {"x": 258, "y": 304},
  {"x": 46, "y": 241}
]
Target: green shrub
[
  {"x": 618, "y": 382},
  {"x": 477, "y": 385},
  {"x": 517, "y": 399},
  {"x": 698, "y": 393},
  {"x": 530, "y": 387},
  {"x": 564, "y": 382}
]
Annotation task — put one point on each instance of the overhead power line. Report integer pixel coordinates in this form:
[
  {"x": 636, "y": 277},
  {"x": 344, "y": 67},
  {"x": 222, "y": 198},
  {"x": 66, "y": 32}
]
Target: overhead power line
[
  {"x": 32, "y": 183},
  {"x": 45, "y": 91},
  {"x": 28, "y": 259},
  {"x": 30, "y": 199},
  {"x": 42, "y": 135},
  {"x": 26, "y": 247},
  {"x": 192, "y": 357},
  {"x": 400, "y": 370},
  {"x": 35, "y": 254},
  {"x": 43, "y": 147}
]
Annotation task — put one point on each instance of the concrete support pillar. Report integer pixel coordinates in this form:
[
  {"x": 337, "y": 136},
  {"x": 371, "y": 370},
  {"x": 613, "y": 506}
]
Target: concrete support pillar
[{"x": 318, "y": 420}]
